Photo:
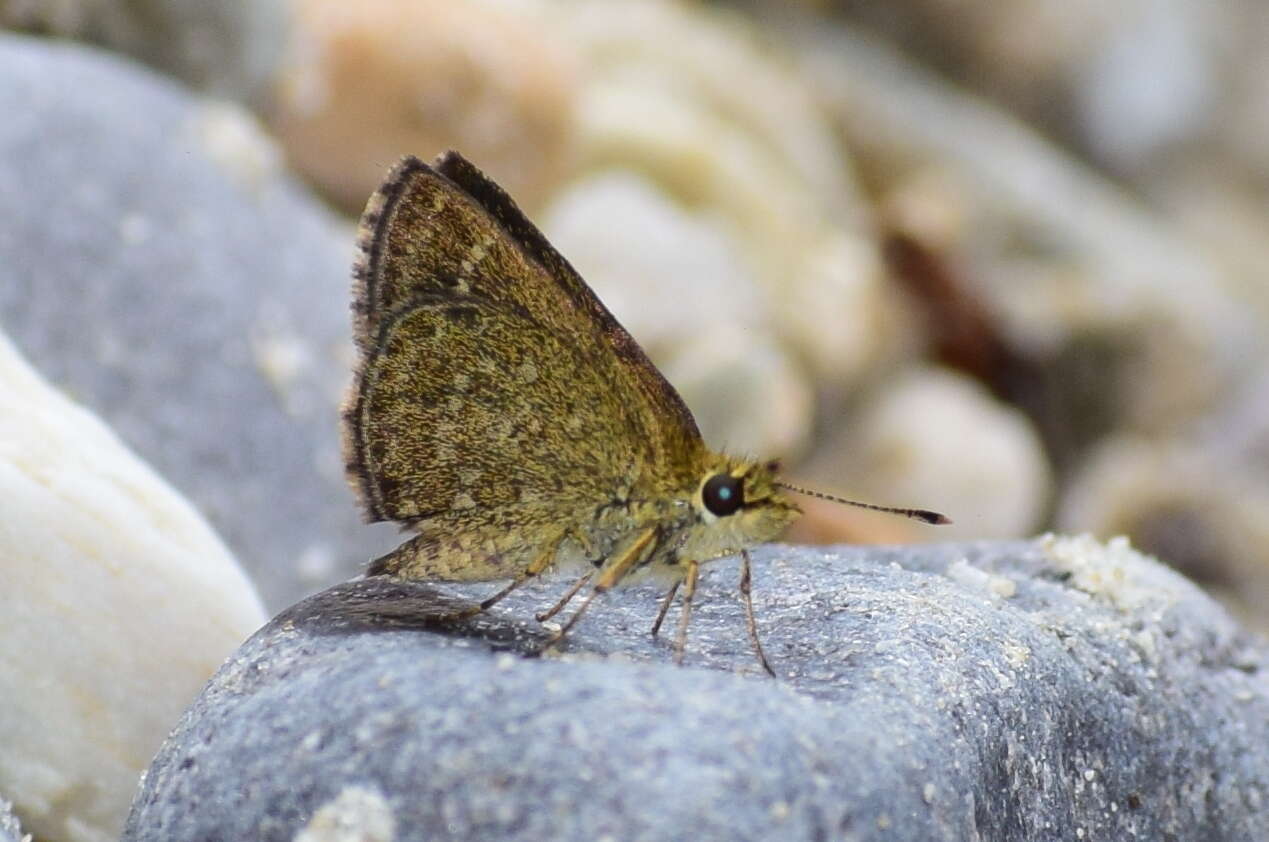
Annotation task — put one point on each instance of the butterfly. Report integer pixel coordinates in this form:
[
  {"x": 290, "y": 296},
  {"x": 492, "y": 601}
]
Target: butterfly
[{"x": 501, "y": 412}]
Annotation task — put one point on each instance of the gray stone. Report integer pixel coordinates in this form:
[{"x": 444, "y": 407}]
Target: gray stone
[
  {"x": 228, "y": 47},
  {"x": 158, "y": 264},
  {"x": 1045, "y": 690}
]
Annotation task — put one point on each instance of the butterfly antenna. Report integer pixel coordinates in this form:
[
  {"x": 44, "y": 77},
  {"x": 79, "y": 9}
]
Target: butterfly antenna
[{"x": 922, "y": 515}]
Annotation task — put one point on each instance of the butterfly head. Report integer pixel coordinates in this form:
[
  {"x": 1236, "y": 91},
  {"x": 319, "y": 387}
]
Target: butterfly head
[{"x": 737, "y": 504}]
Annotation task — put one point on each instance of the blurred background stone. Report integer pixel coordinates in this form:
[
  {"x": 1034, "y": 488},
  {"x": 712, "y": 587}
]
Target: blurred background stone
[
  {"x": 791, "y": 211},
  {"x": 365, "y": 83},
  {"x": 231, "y": 48},
  {"x": 1133, "y": 85},
  {"x": 168, "y": 274},
  {"x": 1200, "y": 500},
  {"x": 735, "y": 197},
  {"x": 676, "y": 281},
  {"x": 1071, "y": 271},
  {"x": 930, "y": 433},
  {"x": 664, "y": 97},
  {"x": 1069, "y": 298}
]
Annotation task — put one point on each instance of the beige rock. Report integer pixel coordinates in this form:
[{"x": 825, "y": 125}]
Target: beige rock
[
  {"x": 1185, "y": 504},
  {"x": 714, "y": 212},
  {"x": 1140, "y": 86},
  {"x": 675, "y": 280},
  {"x": 118, "y": 603},
  {"x": 1129, "y": 81},
  {"x": 368, "y": 82},
  {"x": 356, "y": 814},
  {"x": 664, "y": 269},
  {"x": 1117, "y": 573},
  {"x": 1221, "y": 209},
  {"x": 1070, "y": 267},
  {"x": 933, "y": 439},
  {"x": 722, "y": 124},
  {"x": 748, "y": 396}
]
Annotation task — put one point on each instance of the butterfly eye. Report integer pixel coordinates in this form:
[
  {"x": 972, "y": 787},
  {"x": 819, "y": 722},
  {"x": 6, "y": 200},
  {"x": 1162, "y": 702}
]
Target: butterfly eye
[{"x": 723, "y": 494}]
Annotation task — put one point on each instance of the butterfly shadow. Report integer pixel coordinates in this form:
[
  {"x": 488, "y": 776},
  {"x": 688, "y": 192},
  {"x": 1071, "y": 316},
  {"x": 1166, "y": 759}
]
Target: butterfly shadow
[{"x": 384, "y": 604}]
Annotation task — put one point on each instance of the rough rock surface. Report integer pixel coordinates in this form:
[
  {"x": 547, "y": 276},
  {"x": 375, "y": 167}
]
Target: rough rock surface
[
  {"x": 166, "y": 272},
  {"x": 1045, "y": 690}
]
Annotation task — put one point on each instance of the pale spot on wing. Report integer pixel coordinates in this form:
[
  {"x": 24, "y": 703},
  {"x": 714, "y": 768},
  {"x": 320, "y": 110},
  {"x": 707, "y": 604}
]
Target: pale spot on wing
[
  {"x": 438, "y": 201},
  {"x": 454, "y": 404},
  {"x": 461, "y": 382},
  {"x": 528, "y": 372},
  {"x": 463, "y": 500},
  {"x": 469, "y": 476}
]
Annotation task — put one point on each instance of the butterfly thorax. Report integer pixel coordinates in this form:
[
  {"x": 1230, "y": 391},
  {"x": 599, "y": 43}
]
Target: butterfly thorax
[{"x": 732, "y": 505}]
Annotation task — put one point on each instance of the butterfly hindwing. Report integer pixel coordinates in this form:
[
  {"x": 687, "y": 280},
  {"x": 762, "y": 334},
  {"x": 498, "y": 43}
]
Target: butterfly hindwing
[{"x": 445, "y": 371}]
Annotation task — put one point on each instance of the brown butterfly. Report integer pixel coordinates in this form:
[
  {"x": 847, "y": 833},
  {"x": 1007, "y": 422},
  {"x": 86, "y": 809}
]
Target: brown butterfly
[{"x": 501, "y": 412}]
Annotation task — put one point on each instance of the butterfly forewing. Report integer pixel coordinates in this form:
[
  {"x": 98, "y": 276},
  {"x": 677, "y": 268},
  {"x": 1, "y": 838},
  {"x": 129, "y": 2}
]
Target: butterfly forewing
[{"x": 439, "y": 419}]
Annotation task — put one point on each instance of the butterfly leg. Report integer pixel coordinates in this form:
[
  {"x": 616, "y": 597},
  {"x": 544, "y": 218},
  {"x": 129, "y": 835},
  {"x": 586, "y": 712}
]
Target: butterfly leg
[
  {"x": 685, "y": 613},
  {"x": 564, "y": 600},
  {"x": 750, "y": 621},
  {"x": 589, "y": 548},
  {"x": 539, "y": 563},
  {"x": 665, "y": 607},
  {"x": 611, "y": 573}
]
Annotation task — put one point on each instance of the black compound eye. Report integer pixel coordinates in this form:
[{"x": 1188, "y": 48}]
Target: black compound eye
[{"x": 723, "y": 494}]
